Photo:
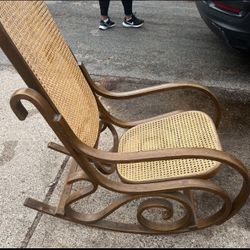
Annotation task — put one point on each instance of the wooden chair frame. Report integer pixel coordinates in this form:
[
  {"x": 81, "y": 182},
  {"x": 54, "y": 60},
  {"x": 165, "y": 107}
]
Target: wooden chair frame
[{"x": 94, "y": 166}]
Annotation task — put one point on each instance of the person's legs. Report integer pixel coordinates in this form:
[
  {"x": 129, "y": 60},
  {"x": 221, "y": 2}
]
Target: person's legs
[
  {"x": 130, "y": 20},
  {"x": 105, "y": 22},
  {"x": 128, "y": 8},
  {"x": 104, "y": 7}
]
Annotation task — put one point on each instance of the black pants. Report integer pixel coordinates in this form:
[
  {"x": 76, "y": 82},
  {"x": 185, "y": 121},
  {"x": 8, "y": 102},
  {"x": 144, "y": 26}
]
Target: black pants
[{"x": 104, "y": 6}]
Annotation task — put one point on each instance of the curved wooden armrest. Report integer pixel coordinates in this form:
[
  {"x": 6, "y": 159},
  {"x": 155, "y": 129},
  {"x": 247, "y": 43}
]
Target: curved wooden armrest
[
  {"x": 154, "y": 89},
  {"x": 170, "y": 154},
  {"x": 157, "y": 155},
  {"x": 145, "y": 91}
]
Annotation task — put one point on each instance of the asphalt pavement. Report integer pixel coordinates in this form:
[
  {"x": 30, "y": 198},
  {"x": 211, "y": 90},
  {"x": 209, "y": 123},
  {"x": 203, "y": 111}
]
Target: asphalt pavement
[{"x": 174, "y": 45}]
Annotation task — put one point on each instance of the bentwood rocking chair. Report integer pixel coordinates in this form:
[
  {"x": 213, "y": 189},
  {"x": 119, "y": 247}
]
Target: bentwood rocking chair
[{"x": 164, "y": 160}]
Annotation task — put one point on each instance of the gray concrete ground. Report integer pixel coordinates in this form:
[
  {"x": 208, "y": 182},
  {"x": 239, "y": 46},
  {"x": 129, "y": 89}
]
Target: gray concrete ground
[{"x": 174, "y": 45}]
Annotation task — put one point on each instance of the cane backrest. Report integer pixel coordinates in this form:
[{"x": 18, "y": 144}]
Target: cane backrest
[{"x": 29, "y": 27}]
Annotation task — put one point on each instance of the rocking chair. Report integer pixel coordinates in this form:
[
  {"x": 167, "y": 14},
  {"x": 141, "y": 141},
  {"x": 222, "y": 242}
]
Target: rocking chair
[{"x": 162, "y": 160}]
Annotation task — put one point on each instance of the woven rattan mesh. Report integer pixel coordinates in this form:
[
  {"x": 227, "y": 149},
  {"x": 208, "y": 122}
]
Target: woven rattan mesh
[
  {"x": 36, "y": 36},
  {"x": 192, "y": 129}
]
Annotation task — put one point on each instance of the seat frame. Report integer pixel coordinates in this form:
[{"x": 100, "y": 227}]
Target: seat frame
[{"x": 94, "y": 166}]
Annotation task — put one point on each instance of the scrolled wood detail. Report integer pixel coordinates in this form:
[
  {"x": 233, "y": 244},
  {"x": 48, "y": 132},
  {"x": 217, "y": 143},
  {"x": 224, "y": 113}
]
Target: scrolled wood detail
[
  {"x": 186, "y": 222},
  {"x": 166, "y": 226}
]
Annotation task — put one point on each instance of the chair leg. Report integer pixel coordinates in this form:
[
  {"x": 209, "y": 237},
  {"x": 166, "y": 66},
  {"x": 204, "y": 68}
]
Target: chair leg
[
  {"x": 68, "y": 197},
  {"x": 103, "y": 224},
  {"x": 187, "y": 221},
  {"x": 40, "y": 206},
  {"x": 143, "y": 227}
]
